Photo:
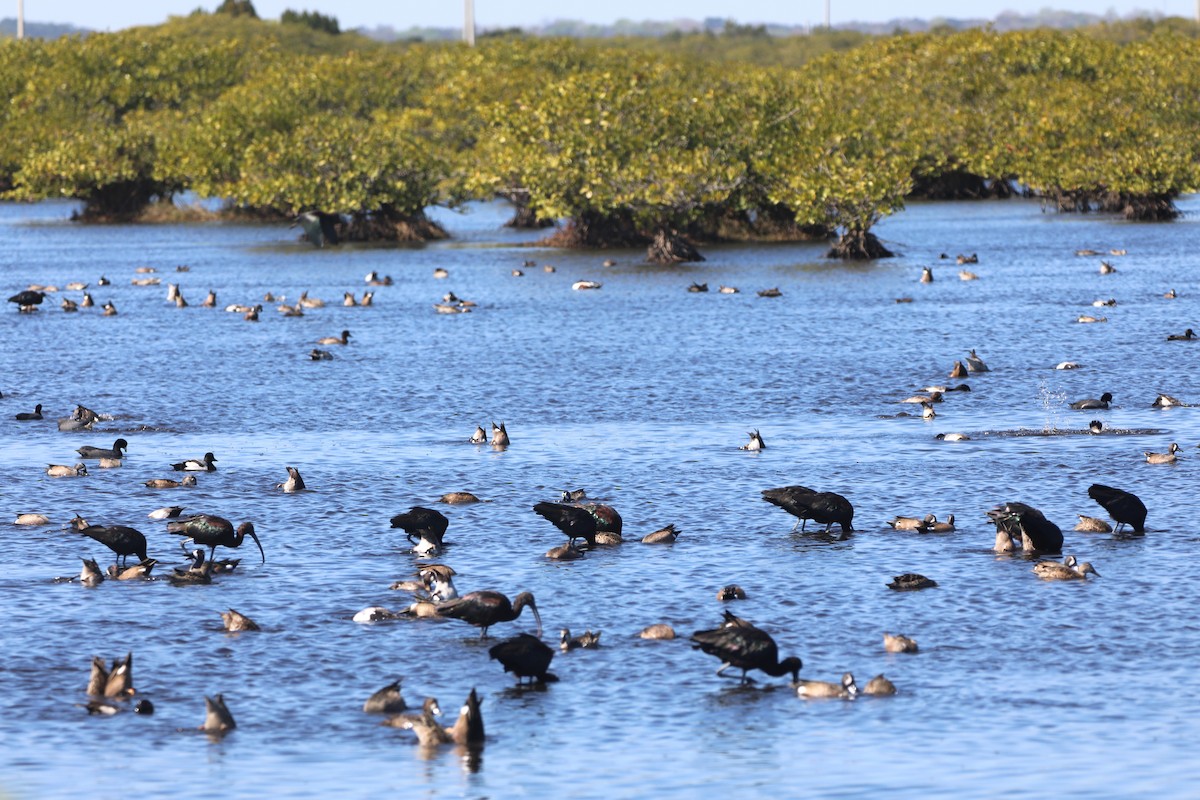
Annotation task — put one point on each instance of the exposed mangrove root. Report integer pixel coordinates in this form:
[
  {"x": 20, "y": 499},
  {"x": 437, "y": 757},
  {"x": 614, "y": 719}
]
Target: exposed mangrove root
[
  {"x": 669, "y": 247},
  {"x": 1134, "y": 207},
  {"x": 597, "y": 231},
  {"x": 856, "y": 245},
  {"x": 389, "y": 225}
]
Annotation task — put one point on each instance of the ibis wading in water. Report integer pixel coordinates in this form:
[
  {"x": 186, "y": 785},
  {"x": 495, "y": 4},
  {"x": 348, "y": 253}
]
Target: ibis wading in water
[
  {"x": 213, "y": 532},
  {"x": 122, "y": 540},
  {"x": 739, "y": 644},
  {"x": 485, "y": 608}
]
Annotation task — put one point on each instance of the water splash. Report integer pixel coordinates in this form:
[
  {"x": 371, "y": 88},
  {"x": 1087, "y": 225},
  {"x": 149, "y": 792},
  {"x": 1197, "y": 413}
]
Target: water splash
[{"x": 1052, "y": 404}]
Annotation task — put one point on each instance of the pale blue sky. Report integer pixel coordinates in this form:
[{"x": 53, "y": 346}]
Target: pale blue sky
[{"x": 401, "y": 14}]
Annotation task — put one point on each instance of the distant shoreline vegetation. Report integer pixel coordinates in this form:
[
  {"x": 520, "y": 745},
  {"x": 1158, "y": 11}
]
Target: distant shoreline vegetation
[{"x": 635, "y": 141}]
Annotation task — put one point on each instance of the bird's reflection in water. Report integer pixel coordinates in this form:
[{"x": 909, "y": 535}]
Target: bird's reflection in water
[{"x": 470, "y": 756}]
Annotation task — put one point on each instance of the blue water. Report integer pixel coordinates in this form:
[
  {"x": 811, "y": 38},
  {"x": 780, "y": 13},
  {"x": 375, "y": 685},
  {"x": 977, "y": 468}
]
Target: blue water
[{"x": 642, "y": 393}]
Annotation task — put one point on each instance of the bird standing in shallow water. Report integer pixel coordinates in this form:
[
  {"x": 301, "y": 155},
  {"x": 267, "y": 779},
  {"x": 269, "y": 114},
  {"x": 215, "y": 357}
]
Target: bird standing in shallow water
[
  {"x": 574, "y": 521},
  {"x": 212, "y": 531},
  {"x": 1038, "y": 534},
  {"x": 1124, "y": 507},
  {"x": 740, "y": 644},
  {"x": 525, "y": 656},
  {"x": 122, "y": 540},
  {"x": 484, "y": 609},
  {"x": 821, "y": 507},
  {"x": 424, "y": 527}
]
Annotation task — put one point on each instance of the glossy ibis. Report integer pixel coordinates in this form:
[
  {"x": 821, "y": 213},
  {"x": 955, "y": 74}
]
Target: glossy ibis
[
  {"x": 821, "y": 689},
  {"x": 739, "y": 644},
  {"x": 27, "y": 299},
  {"x": 483, "y": 609},
  {"x": 213, "y": 532},
  {"x": 116, "y": 451},
  {"x": 122, "y": 540},
  {"x": 319, "y": 227},
  {"x": 1037, "y": 533},
  {"x": 206, "y": 464},
  {"x": 575, "y": 522},
  {"x": 1124, "y": 507},
  {"x": 424, "y": 527},
  {"x": 525, "y": 656},
  {"x": 28, "y": 416},
  {"x": 803, "y": 503},
  {"x": 608, "y": 523}
]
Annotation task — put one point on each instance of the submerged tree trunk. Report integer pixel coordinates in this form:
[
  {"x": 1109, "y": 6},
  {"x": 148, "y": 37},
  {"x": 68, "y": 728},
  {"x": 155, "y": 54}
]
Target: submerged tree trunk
[
  {"x": 669, "y": 247},
  {"x": 524, "y": 217},
  {"x": 858, "y": 245},
  {"x": 387, "y": 224},
  {"x": 597, "y": 230},
  {"x": 120, "y": 202}
]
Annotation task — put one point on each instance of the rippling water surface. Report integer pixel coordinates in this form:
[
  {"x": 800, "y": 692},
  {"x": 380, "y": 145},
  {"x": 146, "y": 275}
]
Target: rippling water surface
[{"x": 641, "y": 393}]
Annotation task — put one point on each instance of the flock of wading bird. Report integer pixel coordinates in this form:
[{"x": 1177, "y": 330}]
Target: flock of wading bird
[{"x": 736, "y": 642}]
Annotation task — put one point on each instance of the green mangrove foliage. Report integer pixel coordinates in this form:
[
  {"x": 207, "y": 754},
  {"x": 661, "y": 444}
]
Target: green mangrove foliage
[{"x": 618, "y": 143}]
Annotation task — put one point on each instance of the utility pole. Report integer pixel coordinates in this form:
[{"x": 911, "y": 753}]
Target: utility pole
[
  {"x": 828, "y": 26},
  {"x": 21, "y": 18},
  {"x": 469, "y": 22}
]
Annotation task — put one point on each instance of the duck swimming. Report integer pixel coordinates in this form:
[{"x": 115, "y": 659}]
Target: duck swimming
[
  {"x": 294, "y": 483},
  {"x": 206, "y": 464},
  {"x": 343, "y": 339},
  {"x": 117, "y": 450},
  {"x": 666, "y": 535},
  {"x": 756, "y": 442},
  {"x": 911, "y": 523},
  {"x": 1186, "y": 336},
  {"x": 1089, "y": 403},
  {"x": 63, "y": 471},
  {"x": 1163, "y": 458},
  {"x": 28, "y": 416},
  {"x": 911, "y": 581},
  {"x": 167, "y": 483},
  {"x": 1066, "y": 571},
  {"x": 822, "y": 689},
  {"x": 899, "y": 643}
]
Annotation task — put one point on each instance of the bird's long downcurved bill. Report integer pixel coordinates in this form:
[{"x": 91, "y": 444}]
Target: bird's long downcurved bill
[
  {"x": 254, "y": 536},
  {"x": 533, "y": 607}
]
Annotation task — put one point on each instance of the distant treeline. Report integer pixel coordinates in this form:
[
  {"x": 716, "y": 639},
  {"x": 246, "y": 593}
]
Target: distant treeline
[{"x": 620, "y": 143}]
